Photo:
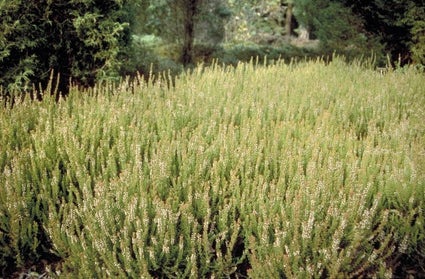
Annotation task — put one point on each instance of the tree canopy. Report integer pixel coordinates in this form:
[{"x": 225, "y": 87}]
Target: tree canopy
[{"x": 398, "y": 24}]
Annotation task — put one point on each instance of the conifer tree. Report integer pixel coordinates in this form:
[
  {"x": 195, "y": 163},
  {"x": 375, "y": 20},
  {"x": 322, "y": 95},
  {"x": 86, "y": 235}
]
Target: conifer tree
[{"x": 82, "y": 40}]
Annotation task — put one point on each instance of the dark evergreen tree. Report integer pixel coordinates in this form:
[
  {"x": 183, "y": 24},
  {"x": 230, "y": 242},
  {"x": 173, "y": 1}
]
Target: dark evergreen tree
[{"x": 82, "y": 40}]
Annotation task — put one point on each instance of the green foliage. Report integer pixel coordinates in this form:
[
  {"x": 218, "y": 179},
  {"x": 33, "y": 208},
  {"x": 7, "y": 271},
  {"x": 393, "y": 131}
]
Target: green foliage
[
  {"x": 257, "y": 21},
  {"x": 151, "y": 56},
  {"x": 398, "y": 24},
  {"x": 184, "y": 22},
  {"x": 81, "y": 40},
  {"x": 300, "y": 170},
  {"x": 337, "y": 28},
  {"x": 263, "y": 54},
  {"x": 166, "y": 19},
  {"x": 415, "y": 18}
]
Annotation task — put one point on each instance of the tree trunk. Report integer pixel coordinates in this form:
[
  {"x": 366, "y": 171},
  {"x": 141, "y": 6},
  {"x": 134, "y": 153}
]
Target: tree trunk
[
  {"x": 189, "y": 35},
  {"x": 288, "y": 19}
]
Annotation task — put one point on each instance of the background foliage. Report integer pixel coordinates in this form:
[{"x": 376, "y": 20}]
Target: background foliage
[
  {"x": 81, "y": 39},
  {"x": 397, "y": 24},
  {"x": 317, "y": 28},
  {"x": 88, "y": 41}
]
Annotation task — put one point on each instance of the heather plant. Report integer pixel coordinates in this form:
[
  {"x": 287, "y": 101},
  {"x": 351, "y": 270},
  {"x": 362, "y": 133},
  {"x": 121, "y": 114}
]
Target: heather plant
[{"x": 303, "y": 170}]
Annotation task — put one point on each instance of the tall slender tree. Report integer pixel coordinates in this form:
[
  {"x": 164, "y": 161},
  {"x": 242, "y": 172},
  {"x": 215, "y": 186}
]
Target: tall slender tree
[
  {"x": 190, "y": 9},
  {"x": 182, "y": 22},
  {"x": 289, "y": 17}
]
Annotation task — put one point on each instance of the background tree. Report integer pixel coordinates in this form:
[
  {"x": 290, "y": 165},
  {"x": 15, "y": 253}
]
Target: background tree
[
  {"x": 398, "y": 24},
  {"x": 82, "y": 40},
  {"x": 257, "y": 21},
  {"x": 337, "y": 29},
  {"x": 183, "y": 22},
  {"x": 415, "y": 18},
  {"x": 189, "y": 9},
  {"x": 288, "y": 17}
]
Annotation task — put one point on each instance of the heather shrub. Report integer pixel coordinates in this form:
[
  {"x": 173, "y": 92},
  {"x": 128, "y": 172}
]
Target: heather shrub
[{"x": 292, "y": 170}]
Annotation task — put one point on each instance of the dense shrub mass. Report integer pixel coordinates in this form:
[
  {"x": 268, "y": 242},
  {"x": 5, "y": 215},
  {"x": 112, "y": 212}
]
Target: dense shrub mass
[
  {"x": 81, "y": 40},
  {"x": 284, "y": 171}
]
